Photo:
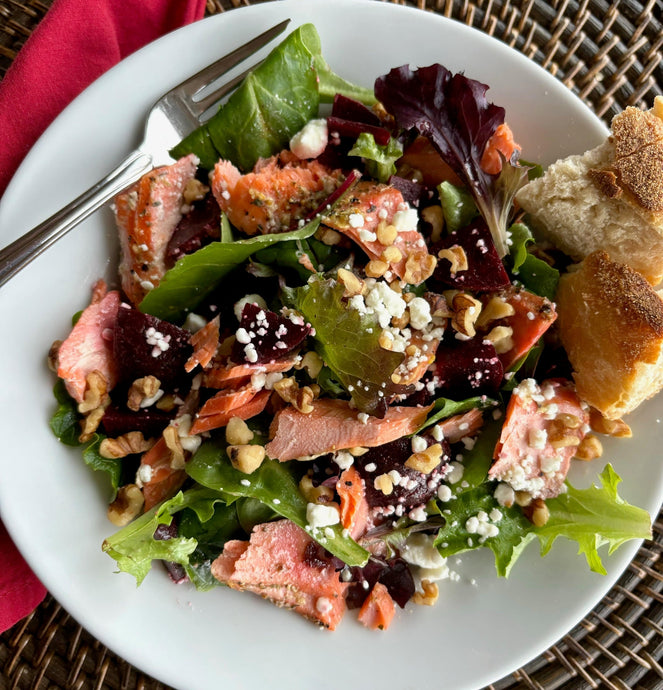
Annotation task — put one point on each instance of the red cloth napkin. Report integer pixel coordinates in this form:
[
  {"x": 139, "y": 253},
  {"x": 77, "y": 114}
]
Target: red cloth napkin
[{"x": 73, "y": 45}]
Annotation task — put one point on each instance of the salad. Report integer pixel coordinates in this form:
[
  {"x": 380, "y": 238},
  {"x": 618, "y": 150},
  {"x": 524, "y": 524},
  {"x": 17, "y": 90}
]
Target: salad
[{"x": 330, "y": 362}]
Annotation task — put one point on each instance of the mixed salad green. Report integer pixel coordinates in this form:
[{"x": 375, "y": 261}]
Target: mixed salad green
[{"x": 413, "y": 395}]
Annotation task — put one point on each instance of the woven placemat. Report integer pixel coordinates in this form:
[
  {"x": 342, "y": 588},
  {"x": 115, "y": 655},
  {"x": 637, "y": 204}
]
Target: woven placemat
[{"x": 611, "y": 55}]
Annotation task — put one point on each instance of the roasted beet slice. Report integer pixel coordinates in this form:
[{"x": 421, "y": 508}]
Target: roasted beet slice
[
  {"x": 351, "y": 128},
  {"x": 264, "y": 336},
  {"x": 394, "y": 574},
  {"x": 349, "y": 109},
  {"x": 413, "y": 489},
  {"x": 468, "y": 368},
  {"x": 485, "y": 272},
  {"x": 413, "y": 192},
  {"x": 198, "y": 227},
  {"x": 117, "y": 421},
  {"x": 144, "y": 345}
]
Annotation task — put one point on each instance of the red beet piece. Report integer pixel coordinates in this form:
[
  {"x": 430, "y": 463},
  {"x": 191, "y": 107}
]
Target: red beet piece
[
  {"x": 197, "y": 228},
  {"x": 351, "y": 128},
  {"x": 485, "y": 272},
  {"x": 116, "y": 421},
  {"x": 349, "y": 109},
  {"x": 144, "y": 345},
  {"x": 394, "y": 574},
  {"x": 270, "y": 335},
  {"x": 468, "y": 368},
  {"x": 415, "y": 489}
]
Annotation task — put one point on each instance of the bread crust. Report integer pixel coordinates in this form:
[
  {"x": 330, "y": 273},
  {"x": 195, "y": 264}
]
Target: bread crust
[
  {"x": 610, "y": 198},
  {"x": 610, "y": 322}
]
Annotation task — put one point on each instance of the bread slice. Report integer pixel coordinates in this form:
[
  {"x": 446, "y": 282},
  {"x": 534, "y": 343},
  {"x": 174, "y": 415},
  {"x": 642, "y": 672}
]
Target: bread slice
[
  {"x": 610, "y": 322},
  {"x": 609, "y": 198}
]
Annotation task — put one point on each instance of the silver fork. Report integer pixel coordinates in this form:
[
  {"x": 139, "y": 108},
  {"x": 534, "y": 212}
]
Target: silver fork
[{"x": 176, "y": 114}]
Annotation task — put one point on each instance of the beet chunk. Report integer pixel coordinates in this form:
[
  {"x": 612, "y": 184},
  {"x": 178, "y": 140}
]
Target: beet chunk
[
  {"x": 394, "y": 574},
  {"x": 468, "y": 368},
  {"x": 350, "y": 109},
  {"x": 414, "y": 489},
  {"x": 116, "y": 421},
  {"x": 264, "y": 336},
  {"x": 198, "y": 227},
  {"x": 144, "y": 345},
  {"x": 485, "y": 272}
]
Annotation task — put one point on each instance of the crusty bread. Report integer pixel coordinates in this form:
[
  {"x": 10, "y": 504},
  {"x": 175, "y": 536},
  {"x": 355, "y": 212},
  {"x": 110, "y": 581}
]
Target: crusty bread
[
  {"x": 610, "y": 322},
  {"x": 610, "y": 198}
]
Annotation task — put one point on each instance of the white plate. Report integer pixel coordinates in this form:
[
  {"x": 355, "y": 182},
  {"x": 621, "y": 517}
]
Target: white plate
[{"x": 54, "y": 506}]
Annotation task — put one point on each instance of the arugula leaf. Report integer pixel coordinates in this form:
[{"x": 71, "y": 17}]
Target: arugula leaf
[
  {"x": 271, "y": 105},
  {"x": 536, "y": 275},
  {"x": 274, "y": 485},
  {"x": 134, "y": 547},
  {"x": 380, "y": 161},
  {"x": 594, "y": 517},
  {"x": 458, "y": 207},
  {"x": 197, "y": 275},
  {"x": 65, "y": 421},
  {"x": 348, "y": 343},
  {"x": 453, "y": 113}
]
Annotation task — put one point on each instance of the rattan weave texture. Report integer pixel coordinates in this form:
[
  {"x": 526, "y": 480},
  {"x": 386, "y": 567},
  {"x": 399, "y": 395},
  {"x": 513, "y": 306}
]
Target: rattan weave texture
[{"x": 611, "y": 55}]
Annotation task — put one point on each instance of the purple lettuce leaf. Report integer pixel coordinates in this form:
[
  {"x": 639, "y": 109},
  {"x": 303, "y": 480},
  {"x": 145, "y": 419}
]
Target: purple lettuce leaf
[{"x": 453, "y": 113}]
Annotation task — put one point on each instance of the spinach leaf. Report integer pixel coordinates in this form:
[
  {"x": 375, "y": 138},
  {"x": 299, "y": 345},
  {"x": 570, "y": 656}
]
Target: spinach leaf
[
  {"x": 536, "y": 275},
  {"x": 458, "y": 207},
  {"x": 65, "y": 421},
  {"x": 197, "y": 275},
  {"x": 274, "y": 485},
  {"x": 113, "y": 466}
]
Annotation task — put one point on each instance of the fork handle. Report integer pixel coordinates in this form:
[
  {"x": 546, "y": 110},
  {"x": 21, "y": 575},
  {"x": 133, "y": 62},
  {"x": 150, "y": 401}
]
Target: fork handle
[{"x": 21, "y": 252}]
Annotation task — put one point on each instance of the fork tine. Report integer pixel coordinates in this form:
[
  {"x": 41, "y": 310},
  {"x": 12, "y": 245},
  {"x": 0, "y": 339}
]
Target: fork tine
[{"x": 194, "y": 85}]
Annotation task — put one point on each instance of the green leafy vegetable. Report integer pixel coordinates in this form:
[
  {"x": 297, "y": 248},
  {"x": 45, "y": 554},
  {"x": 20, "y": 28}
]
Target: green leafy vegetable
[
  {"x": 348, "y": 343},
  {"x": 458, "y": 207},
  {"x": 444, "y": 407},
  {"x": 65, "y": 421},
  {"x": 380, "y": 160},
  {"x": 134, "y": 547},
  {"x": 536, "y": 275},
  {"x": 113, "y": 466},
  {"x": 274, "y": 485},
  {"x": 594, "y": 517},
  {"x": 197, "y": 275},
  {"x": 271, "y": 105}
]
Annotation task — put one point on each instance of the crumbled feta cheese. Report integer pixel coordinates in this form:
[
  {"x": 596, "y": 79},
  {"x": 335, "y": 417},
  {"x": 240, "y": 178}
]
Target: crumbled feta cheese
[
  {"x": 248, "y": 299},
  {"x": 318, "y": 515},
  {"x": 311, "y": 140},
  {"x": 344, "y": 459}
]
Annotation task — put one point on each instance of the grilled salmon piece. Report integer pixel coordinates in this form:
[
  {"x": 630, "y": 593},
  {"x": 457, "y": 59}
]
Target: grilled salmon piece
[
  {"x": 280, "y": 191},
  {"x": 273, "y": 564},
  {"x": 146, "y": 216},
  {"x": 542, "y": 430},
  {"x": 333, "y": 425},
  {"x": 231, "y": 375},
  {"x": 364, "y": 213},
  {"x": 89, "y": 346},
  {"x": 354, "y": 506},
  {"x": 218, "y": 411},
  {"x": 378, "y": 609}
]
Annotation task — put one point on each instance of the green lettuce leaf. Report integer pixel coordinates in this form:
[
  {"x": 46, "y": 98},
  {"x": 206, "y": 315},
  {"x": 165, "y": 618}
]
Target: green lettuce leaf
[
  {"x": 112, "y": 466},
  {"x": 134, "y": 547},
  {"x": 445, "y": 407},
  {"x": 380, "y": 160},
  {"x": 271, "y": 105},
  {"x": 274, "y": 485},
  {"x": 594, "y": 517},
  {"x": 197, "y": 275},
  {"x": 348, "y": 343}
]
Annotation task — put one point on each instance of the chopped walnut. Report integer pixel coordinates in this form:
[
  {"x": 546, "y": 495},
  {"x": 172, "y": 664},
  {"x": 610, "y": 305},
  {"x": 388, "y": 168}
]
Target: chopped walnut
[
  {"x": 376, "y": 268},
  {"x": 238, "y": 432},
  {"x": 246, "y": 458},
  {"x": 537, "y": 512},
  {"x": 386, "y": 234},
  {"x": 495, "y": 308},
  {"x": 425, "y": 461},
  {"x": 315, "y": 494},
  {"x": 353, "y": 285},
  {"x": 172, "y": 438},
  {"x": 53, "y": 356},
  {"x": 466, "y": 310},
  {"x": 384, "y": 483},
  {"x": 194, "y": 190},
  {"x": 128, "y": 444},
  {"x": 502, "y": 338},
  {"x": 312, "y": 363},
  {"x": 456, "y": 256},
  {"x": 434, "y": 216},
  {"x": 392, "y": 255},
  {"x": 127, "y": 505},
  {"x": 328, "y": 236},
  {"x": 90, "y": 423},
  {"x": 590, "y": 448},
  {"x": 610, "y": 427},
  {"x": 300, "y": 398},
  {"x": 428, "y": 596},
  {"x": 419, "y": 267},
  {"x": 141, "y": 390},
  {"x": 96, "y": 392}
]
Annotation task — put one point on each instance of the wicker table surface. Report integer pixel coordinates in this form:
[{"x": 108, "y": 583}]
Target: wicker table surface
[{"x": 611, "y": 55}]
